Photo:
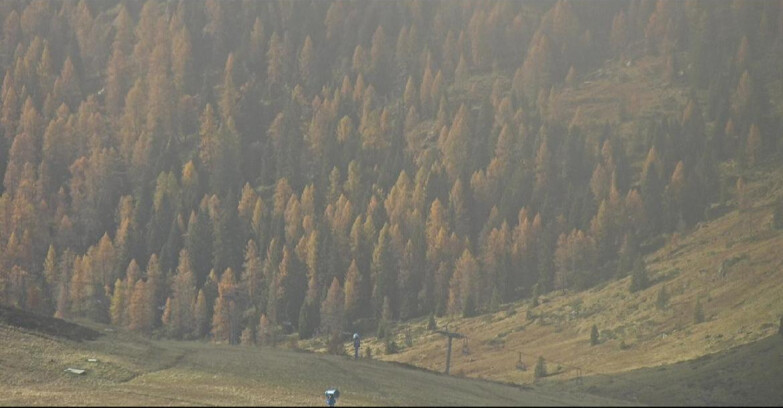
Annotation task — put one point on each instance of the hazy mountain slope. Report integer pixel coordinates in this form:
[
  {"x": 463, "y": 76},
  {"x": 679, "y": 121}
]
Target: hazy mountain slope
[
  {"x": 256, "y": 173},
  {"x": 458, "y": 155},
  {"x": 741, "y": 304}
]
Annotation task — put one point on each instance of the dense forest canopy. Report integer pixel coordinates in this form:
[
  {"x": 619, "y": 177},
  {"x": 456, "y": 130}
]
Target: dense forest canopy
[{"x": 225, "y": 169}]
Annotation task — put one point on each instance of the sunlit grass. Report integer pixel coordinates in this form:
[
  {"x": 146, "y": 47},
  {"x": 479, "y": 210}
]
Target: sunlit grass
[
  {"x": 741, "y": 307},
  {"x": 131, "y": 370}
]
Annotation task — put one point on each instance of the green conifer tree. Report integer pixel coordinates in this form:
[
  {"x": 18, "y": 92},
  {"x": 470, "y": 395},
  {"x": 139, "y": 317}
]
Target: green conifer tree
[
  {"x": 639, "y": 280},
  {"x": 540, "y": 370}
]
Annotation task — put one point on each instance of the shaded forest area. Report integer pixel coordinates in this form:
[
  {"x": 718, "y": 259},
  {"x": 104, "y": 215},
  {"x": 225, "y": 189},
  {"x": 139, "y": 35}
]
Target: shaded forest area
[{"x": 231, "y": 169}]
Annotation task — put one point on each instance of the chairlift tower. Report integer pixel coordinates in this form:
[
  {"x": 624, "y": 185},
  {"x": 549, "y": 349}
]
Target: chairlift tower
[{"x": 450, "y": 336}]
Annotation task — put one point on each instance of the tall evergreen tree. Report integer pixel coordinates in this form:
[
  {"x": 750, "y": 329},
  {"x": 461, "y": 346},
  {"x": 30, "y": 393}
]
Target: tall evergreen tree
[
  {"x": 333, "y": 308},
  {"x": 384, "y": 267},
  {"x": 225, "y": 318},
  {"x": 198, "y": 243},
  {"x": 181, "y": 320}
]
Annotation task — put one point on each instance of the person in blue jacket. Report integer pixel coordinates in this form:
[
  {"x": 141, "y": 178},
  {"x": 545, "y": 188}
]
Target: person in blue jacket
[{"x": 331, "y": 396}]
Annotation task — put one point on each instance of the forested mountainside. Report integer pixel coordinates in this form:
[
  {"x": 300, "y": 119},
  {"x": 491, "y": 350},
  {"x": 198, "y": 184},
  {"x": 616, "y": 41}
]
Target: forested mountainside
[{"x": 228, "y": 169}]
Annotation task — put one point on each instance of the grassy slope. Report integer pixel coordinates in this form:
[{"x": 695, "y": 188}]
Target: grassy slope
[
  {"x": 746, "y": 375},
  {"x": 741, "y": 306},
  {"x": 136, "y": 371}
]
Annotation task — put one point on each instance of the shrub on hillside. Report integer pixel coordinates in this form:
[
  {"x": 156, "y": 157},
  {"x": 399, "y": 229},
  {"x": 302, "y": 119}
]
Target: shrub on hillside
[
  {"x": 431, "y": 324},
  {"x": 540, "y": 370},
  {"x": 639, "y": 278},
  {"x": 698, "y": 313},
  {"x": 594, "y": 336},
  {"x": 391, "y": 347},
  {"x": 534, "y": 296}
]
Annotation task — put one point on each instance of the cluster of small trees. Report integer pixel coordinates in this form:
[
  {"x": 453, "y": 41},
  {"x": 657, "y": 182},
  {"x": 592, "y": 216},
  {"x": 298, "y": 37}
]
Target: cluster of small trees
[{"x": 309, "y": 166}]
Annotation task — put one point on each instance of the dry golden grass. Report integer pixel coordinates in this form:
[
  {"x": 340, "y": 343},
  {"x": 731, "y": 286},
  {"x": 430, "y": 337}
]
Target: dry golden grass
[
  {"x": 135, "y": 371},
  {"x": 618, "y": 95},
  {"x": 616, "y": 91},
  {"x": 747, "y": 375},
  {"x": 741, "y": 307}
]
